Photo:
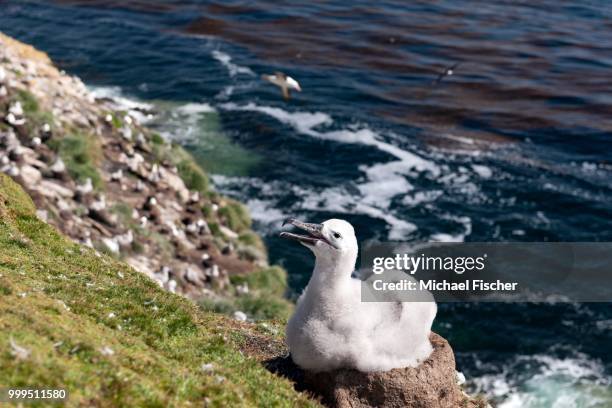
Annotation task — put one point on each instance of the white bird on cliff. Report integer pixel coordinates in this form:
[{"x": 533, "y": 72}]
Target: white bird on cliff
[
  {"x": 284, "y": 82},
  {"x": 332, "y": 328}
]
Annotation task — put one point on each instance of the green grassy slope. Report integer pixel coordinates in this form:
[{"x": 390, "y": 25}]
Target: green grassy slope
[{"x": 108, "y": 334}]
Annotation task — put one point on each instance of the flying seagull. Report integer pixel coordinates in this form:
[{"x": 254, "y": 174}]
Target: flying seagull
[
  {"x": 284, "y": 82},
  {"x": 332, "y": 328},
  {"x": 448, "y": 71}
]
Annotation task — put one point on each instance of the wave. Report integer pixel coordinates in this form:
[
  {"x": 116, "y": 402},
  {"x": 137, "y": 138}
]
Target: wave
[
  {"x": 232, "y": 69},
  {"x": 141, "y": 111},
  {"x": 182, "y": 122},
  {"x": 382, "y": 183},
  {"x": 541, "y": 381}
]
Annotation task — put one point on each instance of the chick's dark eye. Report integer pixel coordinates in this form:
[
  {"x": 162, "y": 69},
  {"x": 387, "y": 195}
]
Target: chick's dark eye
[{"x": 337, "y": 236}]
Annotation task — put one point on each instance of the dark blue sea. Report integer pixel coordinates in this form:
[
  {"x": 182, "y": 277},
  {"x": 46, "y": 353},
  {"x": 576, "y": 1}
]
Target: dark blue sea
[{"x": 515, "y": 146}]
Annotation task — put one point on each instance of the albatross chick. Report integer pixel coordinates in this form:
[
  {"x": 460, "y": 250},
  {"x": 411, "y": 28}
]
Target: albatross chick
[{"x": 332, "y": 328}]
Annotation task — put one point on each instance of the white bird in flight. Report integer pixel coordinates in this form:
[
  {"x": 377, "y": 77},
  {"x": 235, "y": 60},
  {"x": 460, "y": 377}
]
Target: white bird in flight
[
  {"x": 284, "y": 82},
  {"x": 332, "y": 328}
]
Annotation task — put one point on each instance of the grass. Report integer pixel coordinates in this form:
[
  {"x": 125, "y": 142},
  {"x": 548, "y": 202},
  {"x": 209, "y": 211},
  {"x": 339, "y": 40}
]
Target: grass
[
  {"x": 35, "y": 116},
  {"x": 193, "y": 176},
  {"x": 272, "y": 280},
  {"x": 68, "y": 306},
  {"x": 188, "y": 170},
  {"x": 265, "y": 299},
  {"x": 236, "y": 215},
  {"x": 80, "y": 153}
]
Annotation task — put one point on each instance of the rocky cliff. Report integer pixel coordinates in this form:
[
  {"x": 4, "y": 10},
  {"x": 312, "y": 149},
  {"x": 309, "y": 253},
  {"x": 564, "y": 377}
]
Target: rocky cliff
[
  {"x": 75, "y": 319},
  {"x": 110, "y": 183}
]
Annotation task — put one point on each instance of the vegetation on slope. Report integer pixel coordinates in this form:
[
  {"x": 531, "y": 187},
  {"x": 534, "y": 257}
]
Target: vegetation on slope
[{"x": 72, "y": 318}]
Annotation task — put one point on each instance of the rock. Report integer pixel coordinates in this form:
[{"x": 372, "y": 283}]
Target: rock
[
  {"x": 163, "y": 276},
  {"x": 240, "y": 316},
  {"x": 139, "y": 186},
  {"x": 30, "y": 175},
  {"x": 172, "y": 286},
  {"x": 155, "y": 215},
  {"x": 126, "y": 132},
  {"x": 134, "y": 163},
  {"x": 43, "y": 215},
  {"x": 193, "y": 276},
  {"x": 19, "y": 352},
  {"x": 125, "y": 240},
  {"x": 58, "y": 167},
  {"x": 111, "y": 244},
  {"x": 51, "y": 189},
  {"x": 155, "y": 175},
  {"x": 430, "y": 385},
  {"x": 85, "y": 188},
  {"x": 228, "y": 232},
  {"x": 107, "y": 351},
  {"x": 103, "y": 216},
  {"x": 194, "y": 197},
  {"x": 242, "y": 289},
  {"x": 99, "y": 204},
  {"x": 12, "y": 170},
  {"x": 177, "y": 184},
  {"x": 117, "y": 175},
  {"x": 16, "y": 109}
]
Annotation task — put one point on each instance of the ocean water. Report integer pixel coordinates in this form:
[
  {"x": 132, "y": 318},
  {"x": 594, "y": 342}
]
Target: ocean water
[{"x": 515, "y": 146}]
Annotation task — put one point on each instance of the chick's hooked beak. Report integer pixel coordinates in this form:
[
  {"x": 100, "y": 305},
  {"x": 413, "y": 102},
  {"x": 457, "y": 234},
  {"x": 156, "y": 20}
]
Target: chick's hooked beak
[{"x": 313, "y": 230}]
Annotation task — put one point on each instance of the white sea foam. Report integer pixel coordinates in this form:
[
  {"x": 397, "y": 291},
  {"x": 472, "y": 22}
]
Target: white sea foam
[
  {"x": 180, "y": 122},
  {"x": 483, "y": 171},
  {"x": 265, "y": 212},
  {"x": 604, "y": 325},
  {"x": 122, "y": 102},
  {"x": 421, "y": 197},
  {"x": 339, "y": 201},
  {"x": 385, "y": 181},
  {"x": 303, "y": 122},
  {"x": 308, "y": 122},
  {"x": 195, "y": 108},
  {"x": 226, "y": 92},
  {"x": 382, "y": 182},
  {"x": 265, "y": 208},
  {"x": 555, "y": 382},
  {"x": 232, "y": 69},
  {"x": 466, "y": 222}
]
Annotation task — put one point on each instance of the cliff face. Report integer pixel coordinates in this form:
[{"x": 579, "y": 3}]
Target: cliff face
[
  {"x": 73, "y": 315},
  {"x": 74, "y": 319},
  {"x": 110, "y": 183}
]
